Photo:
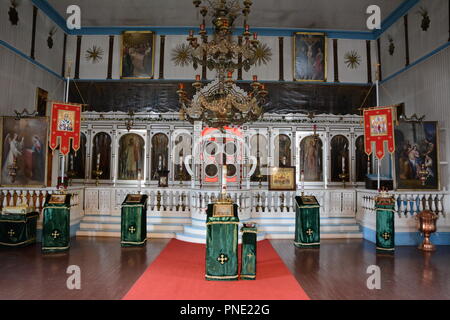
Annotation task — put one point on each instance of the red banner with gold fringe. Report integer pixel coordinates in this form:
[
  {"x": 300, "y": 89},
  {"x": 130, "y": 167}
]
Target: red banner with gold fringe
[
  {"x": 65, "y": 126},
  {"x": 378, "y": 128}
]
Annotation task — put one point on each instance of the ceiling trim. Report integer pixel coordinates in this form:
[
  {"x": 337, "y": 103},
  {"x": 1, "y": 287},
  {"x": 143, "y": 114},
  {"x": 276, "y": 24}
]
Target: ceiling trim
[{"x": 403, "y": 9}]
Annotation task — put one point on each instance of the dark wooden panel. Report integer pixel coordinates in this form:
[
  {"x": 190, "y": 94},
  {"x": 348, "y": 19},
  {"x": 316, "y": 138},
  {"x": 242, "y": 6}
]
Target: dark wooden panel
[
  {"x": 63, "y": 67},
  {"x": 281, "y": 58},
  {"x": 335, "y": 60},
  {"x": 161, "y": 96},
  {"x": 162, "y": 46},
  {"x": 33, "y": 33},
  {"x": 77, "y": 58},
  {"x": 369, "y": 62},
  {"x": 110, "y": 57},
  {"x": 405, "y": 21}
]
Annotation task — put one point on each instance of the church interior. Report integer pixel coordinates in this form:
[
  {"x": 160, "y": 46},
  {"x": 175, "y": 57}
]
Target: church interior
[{"x": 224, "y": 150}]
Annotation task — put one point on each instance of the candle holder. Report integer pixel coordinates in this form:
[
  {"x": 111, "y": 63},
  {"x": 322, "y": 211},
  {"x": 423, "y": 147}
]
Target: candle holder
[
  {"x": 343, "y": 176},
  {"x": 71, "y": 174},
  {"x": 423, "y": 174},
  {"x": 97, "y": 174},
  {"x": 181, "y": 175}
]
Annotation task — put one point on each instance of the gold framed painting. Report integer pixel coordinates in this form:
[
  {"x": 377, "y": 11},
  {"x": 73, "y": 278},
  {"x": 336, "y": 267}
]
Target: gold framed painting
[
  {"x": 310, "y": 56},
  {"x": 24, "y": 145},
  {"x": 41, "y": 102},
  {"x": 138, "y": 55},
  {"x": 282, "y": 179},
  {"x": 223, "y": 210},
  {"x": 417, "y": 156}
]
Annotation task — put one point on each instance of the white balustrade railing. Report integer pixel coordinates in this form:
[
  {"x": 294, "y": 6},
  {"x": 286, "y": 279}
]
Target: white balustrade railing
[
  {"x": 407, "y": 203},
  {"x": 35, "y": 197}
]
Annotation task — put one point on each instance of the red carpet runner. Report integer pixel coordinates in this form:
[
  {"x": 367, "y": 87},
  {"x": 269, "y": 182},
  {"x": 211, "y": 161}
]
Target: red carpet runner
[{"x": 179, "y": 274}]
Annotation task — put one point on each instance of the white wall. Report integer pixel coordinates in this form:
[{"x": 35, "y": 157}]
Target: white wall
[
  {"x": 20, "y": 77},
  {"x": 422, "y": 42},
  {"x": 391, "y": 64},
  {"x": 18, "y": 36},
  {"x": 347, "y": 74}
]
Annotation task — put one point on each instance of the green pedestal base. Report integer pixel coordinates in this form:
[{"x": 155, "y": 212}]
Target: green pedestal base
[
  {"x": 221, "y": 246},
  {"x": 134, "y": 221},
  {"x": 307, "y": 222},
  {"x": 248, "y": 253},
  {"x": 385, "y": 230},
  {"x": 56, "y": 225},
  {"x": 18, "y": 230}
]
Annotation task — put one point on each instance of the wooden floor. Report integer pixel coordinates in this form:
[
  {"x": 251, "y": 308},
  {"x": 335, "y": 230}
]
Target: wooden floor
[
  {"x": 338, "y": 270},
  {"x": 107, "y": 270},
  {"x": 335, "y": 271}
]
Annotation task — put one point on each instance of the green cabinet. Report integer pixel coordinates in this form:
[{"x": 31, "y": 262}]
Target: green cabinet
[
  {"x": 134, "y": 220},
  {"x": 18, "y": 230},
  {"x": 56, "y": 223},
  {"x": 307, "y": 222},
  {"x": 385, "y": 230},
  {"x": 222, "y": 245},
  {"x": 248, "y": 252}
]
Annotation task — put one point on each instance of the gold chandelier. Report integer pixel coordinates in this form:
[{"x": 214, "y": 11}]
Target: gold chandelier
[{"x": 221, "y": 102}]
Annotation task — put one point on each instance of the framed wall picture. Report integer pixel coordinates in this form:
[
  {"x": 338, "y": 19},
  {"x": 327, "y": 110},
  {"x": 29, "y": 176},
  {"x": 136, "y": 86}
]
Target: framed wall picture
[
  {"x": 282, "y": 179},
  {"x": 41, "y": 102},
  {"x": 416, "y": 155},
  {"x": 24, "y": 151},
  {"x": 310, "y": 56},
  {"x": 223, "y": 210},
  {"x": 138, "y": 55}
]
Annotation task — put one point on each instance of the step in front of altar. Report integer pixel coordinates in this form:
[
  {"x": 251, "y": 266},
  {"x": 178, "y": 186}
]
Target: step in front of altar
[{"x": 194, "y": 230}]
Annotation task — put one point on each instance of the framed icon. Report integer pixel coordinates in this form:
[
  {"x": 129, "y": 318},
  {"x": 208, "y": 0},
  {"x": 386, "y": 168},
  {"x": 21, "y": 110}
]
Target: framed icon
[
  {"x": 282, "y": 179},
  {"x": 223, "y": 210}
]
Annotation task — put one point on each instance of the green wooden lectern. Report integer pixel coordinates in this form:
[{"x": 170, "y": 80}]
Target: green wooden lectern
[
  {"x": 134, "y": 220},
  {"x": 248, "y": 252},
  {"x": 222, "y": 226},
  {"x": 385, "y": 230},
  {"x": 18, "y": 230},
  {"x": 307, "y": 222},
  {"x": 56, "y": 223}
]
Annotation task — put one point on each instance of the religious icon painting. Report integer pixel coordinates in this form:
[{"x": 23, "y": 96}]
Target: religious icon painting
[
  {"x": 24, "y": 151},
  {"x": 138, "y": 55},
  {"x": 131, "y": 156},
  {"x": 417, "y": 156},
  {"x": 282, "y": 179},
  {"x": 223, "y": 210},
  {"x": 310, "y": 56}
]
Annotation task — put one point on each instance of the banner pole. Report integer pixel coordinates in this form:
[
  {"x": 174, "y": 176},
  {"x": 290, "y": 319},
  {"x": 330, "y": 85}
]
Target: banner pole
[
  {"x": 377, "y": 84},
  {"x": 66, "y": 99}
]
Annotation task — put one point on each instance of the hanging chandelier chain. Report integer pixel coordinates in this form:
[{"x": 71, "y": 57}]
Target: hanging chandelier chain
[{"x": 222, "y": 102}]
